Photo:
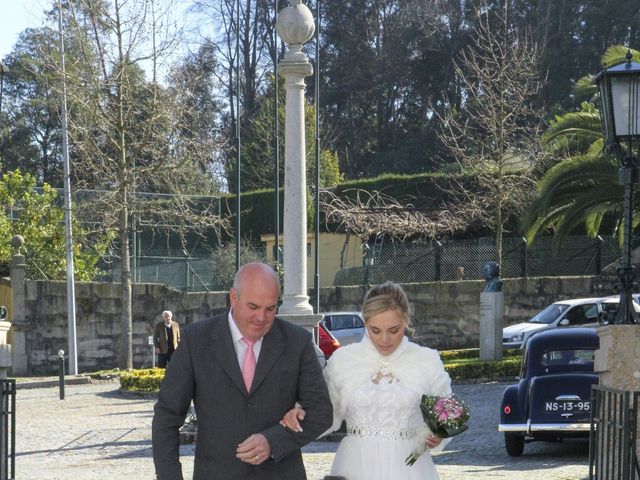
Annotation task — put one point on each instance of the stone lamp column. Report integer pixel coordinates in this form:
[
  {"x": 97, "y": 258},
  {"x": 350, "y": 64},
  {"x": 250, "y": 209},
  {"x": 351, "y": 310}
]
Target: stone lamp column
[{"x": 295, "y": 26}]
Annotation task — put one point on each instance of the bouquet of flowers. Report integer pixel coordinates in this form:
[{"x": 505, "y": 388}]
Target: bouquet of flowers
[{"x": 444, "y": 416}]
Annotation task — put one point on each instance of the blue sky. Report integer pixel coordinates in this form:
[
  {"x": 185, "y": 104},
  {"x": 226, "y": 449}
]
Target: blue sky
[{"x": 17, "y": 15}]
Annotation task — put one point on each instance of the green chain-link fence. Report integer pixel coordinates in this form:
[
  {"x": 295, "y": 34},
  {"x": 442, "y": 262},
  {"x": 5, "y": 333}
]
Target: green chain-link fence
[
  {"x": 195, "y": 272},
  {"x": 464, "y": 259},
  {"x": 415, "y": 262}
]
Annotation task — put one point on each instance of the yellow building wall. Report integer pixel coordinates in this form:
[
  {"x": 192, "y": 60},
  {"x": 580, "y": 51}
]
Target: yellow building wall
[
  {"x": 5, "y": 297},
  {"x": 331, "y": 246}
]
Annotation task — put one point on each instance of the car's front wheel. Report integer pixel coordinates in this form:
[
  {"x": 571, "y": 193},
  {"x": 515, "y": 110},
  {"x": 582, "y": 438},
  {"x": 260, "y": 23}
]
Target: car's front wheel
[{"x": 514, "y": 444}]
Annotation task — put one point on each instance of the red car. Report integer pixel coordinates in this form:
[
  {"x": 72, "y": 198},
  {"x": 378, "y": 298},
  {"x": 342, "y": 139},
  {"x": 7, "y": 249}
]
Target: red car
[{"x": 328, "y": 343}]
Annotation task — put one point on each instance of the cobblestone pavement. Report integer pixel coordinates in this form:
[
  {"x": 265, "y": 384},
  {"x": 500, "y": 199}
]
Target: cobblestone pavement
[{"x": 96, "y": 433}]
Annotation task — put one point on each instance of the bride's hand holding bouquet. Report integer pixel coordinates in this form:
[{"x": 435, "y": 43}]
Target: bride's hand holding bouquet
[{"x": 444, "y": 416}]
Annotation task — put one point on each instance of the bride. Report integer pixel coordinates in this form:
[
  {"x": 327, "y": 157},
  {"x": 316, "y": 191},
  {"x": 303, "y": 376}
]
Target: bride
[{"x": 376, "y": 386}]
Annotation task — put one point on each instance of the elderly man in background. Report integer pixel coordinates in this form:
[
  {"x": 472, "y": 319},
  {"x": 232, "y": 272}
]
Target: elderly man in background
[{"x": 166, "y": 336}]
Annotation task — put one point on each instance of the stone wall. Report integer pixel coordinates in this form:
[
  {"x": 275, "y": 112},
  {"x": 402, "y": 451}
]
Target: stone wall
[
  {"x": 446, "y": 314},
  {"x": 98, "y": 307}
]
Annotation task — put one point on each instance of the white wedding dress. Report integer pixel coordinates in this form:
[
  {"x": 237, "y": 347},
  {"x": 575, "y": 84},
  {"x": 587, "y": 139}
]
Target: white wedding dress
[{"x": 382, "y": 411}]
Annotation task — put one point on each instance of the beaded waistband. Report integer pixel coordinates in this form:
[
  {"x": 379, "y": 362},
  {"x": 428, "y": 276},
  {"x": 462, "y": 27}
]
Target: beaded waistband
[{"x": 365, "y": 431}]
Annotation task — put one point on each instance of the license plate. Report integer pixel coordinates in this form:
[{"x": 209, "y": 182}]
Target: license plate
[{"x": 566, "y": 406}]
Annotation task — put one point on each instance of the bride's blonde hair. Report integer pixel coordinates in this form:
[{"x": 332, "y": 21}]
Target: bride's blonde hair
[{"x": 383, "y": 297}]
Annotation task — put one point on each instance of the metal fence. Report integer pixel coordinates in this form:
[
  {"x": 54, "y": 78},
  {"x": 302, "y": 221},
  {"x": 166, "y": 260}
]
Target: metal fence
[
  {"x": 192, "y": 272},
  {"x": 465, "y": 259},
  {"x": 7, "y": 429},
  {"x": 612, "y": 445},
  {"x": 399, "y": 262}
]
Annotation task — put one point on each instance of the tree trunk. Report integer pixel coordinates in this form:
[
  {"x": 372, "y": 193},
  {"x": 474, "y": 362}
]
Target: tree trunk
[{"x": 125, "y": 361}]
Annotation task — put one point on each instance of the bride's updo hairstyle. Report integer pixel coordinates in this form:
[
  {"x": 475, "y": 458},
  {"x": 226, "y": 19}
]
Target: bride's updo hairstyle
[{"x": 383, "y": 297}]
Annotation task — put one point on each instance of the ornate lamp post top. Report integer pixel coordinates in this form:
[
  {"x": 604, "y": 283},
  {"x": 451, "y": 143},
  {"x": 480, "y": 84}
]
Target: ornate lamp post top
[
  {"x": 295, "y": 26},
  {"x": 620, "y": 114}
]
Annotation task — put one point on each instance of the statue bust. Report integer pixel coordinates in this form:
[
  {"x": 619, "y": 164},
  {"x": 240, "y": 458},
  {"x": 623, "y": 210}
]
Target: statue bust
[{"x": 491, "y": 271}]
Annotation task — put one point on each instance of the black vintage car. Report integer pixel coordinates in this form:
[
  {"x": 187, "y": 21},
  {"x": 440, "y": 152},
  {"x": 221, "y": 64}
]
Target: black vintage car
[{"x": 552, "y": 399}]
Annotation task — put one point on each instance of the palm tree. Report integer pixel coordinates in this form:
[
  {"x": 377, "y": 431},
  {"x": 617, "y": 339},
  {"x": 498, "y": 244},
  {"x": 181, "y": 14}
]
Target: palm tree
[{"x": 582, "y": 188}]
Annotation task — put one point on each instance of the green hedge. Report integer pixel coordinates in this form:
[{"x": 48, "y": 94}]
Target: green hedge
[
  {"x": 461, "y": 365},
  {"x": 447, "y": 355},
  {"x": 509, "y": 367}
]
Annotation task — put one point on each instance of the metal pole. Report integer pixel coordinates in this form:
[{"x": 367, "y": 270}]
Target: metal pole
[
  {"x": 628, "y": 175},
  {"x": 71, "y": 302},
  {"x": 276, "y": 105},
  {"x": 61, "y": 373},
  {"x": 238, "y": 135},
  {"x": 316, "y": 283}
]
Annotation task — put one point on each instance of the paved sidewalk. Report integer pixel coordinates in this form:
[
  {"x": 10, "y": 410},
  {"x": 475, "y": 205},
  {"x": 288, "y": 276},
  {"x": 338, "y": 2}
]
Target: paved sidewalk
[{"x": 96, "y": 433}]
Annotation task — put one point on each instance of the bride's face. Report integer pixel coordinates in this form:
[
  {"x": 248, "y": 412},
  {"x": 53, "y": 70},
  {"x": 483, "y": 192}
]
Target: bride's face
[{"x": 386, "y": 331}]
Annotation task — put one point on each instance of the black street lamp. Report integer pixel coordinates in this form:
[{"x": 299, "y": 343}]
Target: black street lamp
[{"x": 620, "y": 113}]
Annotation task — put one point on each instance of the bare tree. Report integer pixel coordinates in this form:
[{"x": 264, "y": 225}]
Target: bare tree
[
  {"x": 123, "y": 130},
  {"x": 494, "y": 136},
  {"x": 368, "y": 214}
]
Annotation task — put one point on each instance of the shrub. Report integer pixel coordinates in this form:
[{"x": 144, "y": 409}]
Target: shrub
[
  {"x": 144, "y": 380},
  {"x": 509, "y": 367},
  {"x": 447, "y": 355}
]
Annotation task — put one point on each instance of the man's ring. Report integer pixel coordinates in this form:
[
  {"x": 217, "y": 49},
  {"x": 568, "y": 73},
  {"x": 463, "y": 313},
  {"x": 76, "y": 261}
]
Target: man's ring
[{"x": 257, "y": 457}]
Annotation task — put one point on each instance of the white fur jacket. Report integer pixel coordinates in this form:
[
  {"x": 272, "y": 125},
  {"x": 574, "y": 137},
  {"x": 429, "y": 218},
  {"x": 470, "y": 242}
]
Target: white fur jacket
[{"x": 351, "y": 366}]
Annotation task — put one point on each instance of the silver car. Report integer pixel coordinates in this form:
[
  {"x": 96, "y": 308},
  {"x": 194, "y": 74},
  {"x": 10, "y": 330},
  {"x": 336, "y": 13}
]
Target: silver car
[{"x": 347, "y": 327}]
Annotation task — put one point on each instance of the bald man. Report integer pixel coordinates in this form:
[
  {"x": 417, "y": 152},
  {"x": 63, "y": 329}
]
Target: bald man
[{"x": 243, "y": 370}]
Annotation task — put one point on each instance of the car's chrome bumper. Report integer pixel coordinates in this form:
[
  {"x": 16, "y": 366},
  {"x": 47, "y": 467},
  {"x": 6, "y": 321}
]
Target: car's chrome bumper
[{"x": 544, "y": 427}]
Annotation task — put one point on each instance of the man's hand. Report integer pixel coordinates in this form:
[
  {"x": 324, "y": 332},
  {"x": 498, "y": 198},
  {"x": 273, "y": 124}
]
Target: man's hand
[{"x": 254, "y": 450}]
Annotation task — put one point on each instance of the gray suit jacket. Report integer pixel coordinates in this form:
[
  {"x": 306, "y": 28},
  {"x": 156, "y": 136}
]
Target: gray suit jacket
[{"x": 205, "y": 368}]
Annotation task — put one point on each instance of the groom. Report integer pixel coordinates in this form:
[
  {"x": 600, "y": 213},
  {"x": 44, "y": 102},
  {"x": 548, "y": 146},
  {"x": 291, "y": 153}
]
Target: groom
[{"x": 243, "y": 370}]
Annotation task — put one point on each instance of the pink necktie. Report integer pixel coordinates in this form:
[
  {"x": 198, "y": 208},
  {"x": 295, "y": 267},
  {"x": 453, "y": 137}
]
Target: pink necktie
[{"x": 248, "y": 364}]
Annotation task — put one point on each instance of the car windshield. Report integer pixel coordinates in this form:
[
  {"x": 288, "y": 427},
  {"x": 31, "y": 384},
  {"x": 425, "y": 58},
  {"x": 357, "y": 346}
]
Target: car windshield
[
  {"x": 561, "y": 358},
  {"x": 549, "y": 314},
  {"x": 343, "y": 322}
]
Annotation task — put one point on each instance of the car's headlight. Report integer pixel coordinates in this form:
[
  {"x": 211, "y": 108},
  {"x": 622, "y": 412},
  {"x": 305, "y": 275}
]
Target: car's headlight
[{"x": 517, "y": 338}]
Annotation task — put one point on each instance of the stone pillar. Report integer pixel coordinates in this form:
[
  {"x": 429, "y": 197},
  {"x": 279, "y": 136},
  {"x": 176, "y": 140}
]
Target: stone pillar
[
  {"x": 295, "y": 26},
  {"x": 617, "y": 360},
  {"x": 18, "y": 300},
  {"x": 491, "y": 321}
]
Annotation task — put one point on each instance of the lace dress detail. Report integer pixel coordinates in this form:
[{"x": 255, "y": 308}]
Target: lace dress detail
[{"x": 382, "y": 418}]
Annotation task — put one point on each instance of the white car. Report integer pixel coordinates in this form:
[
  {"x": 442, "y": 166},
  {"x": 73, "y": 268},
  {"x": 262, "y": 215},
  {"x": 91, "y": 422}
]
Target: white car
[
  {"x": 347, "y": 327},
  {"x": 576, "y": 312}
]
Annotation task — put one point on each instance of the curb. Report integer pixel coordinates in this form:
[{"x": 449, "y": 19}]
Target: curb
[{"x": 52, "y": 383}]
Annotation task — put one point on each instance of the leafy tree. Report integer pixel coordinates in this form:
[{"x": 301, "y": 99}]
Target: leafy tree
[
  {"x": 582, "y": 188},
  {"x": 32, "y": 139},
  {"x": 198, "y": 137},
  {"x": 258, "y": 149},
  {"x": 38, "y": 217},
  {"x": 384, "y": 67}
]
